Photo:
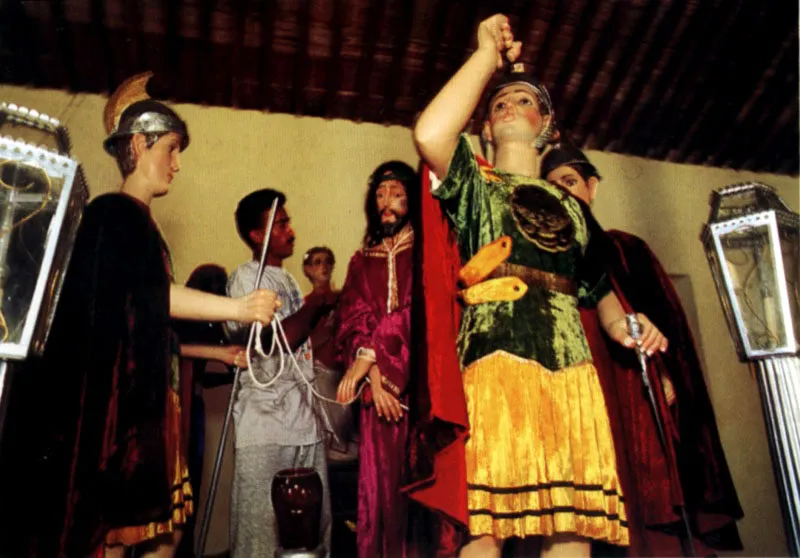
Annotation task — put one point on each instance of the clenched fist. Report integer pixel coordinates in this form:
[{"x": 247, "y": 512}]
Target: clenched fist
[
  {"x": 494, "y": 34},
  {"x": 651, "y": 340},
  {"x": 258, "y": 306}
]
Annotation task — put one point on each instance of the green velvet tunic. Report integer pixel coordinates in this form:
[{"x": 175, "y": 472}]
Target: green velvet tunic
[{"x": 549, "y": 233}]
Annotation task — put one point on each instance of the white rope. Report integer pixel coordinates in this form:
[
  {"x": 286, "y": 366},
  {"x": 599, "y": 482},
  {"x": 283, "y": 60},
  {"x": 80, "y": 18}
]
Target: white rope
[
  {"x": 260, "y": 350},
  {"x": 310, "y": 385},
  {"x": 281, "y": 342},
  {"x": 257, "y": 326},
  {"x": 279, "y": 339}
]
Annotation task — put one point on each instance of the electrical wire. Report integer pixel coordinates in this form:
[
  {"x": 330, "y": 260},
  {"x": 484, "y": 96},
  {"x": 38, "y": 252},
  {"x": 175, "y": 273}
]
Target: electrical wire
[{"x": 45, "y": 198}]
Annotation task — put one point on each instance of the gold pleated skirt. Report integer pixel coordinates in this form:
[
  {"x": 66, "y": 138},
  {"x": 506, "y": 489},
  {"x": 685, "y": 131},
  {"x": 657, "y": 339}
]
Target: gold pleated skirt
[
  {"x": 540, "y": 456},
  {"x": 182, "y": 506}
]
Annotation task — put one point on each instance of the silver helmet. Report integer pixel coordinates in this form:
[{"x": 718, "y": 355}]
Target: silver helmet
[{"x": 130, "y": 110}]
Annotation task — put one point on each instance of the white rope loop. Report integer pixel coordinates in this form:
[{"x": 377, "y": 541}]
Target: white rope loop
[
  {"x": 256, "y": 340},
  {"x": 281, "y": 342},
  {"x": 256, "y": 327},
  {"x": 279, "y": 339}
]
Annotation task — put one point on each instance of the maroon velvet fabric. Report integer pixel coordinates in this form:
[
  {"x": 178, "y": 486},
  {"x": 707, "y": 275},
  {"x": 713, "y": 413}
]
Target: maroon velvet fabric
[
  {"x": 364, "y": 321},
  {"x": 693, "y": 470},
  {"x": 94, "y": 454}
]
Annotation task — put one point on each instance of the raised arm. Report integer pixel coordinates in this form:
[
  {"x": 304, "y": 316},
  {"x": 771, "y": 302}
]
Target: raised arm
[{"x": 440, "y": 124}]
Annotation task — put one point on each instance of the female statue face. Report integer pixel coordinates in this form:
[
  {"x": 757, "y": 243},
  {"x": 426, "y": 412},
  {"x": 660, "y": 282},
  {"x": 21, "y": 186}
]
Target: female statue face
[{"x": 319, "y": 268}]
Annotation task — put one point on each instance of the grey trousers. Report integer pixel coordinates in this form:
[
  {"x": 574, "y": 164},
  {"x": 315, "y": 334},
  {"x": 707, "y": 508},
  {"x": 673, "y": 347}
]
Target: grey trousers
[{"x": 253, "y": 527}]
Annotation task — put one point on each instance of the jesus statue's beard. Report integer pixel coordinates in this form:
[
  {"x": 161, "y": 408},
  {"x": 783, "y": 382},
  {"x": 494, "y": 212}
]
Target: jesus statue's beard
[{"x": 388, "y": 230}]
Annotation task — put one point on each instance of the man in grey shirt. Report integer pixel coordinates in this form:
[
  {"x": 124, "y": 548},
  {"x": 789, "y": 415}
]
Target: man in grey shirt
[{"x": 275, "y": 425}]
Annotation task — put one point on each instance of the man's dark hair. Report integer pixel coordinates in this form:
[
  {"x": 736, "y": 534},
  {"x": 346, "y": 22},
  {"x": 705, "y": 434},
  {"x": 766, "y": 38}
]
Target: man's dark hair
[
  {"x": 391, "y": 170},
  {"x": 565, "y": 154},
  {"x": 251, "y": 209}
]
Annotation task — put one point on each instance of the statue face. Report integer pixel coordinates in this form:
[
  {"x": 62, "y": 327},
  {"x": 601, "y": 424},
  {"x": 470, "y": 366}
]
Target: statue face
[
  {"x": 392, "y": 204},
  {"x": 159, "y": 164},
  {"x": 319, "y": 268},
  {"x": 514, "y": 113}
]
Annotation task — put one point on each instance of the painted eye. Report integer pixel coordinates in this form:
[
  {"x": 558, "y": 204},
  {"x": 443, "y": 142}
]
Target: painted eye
[
  {"x": 499, "y": 106},
  {"x": 525, "y": 101}
]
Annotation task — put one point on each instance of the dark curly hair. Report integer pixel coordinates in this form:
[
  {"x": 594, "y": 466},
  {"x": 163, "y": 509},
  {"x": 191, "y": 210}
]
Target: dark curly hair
[
  {"x": 250, "y": 211},
  {"x": 389, "y": 170}
]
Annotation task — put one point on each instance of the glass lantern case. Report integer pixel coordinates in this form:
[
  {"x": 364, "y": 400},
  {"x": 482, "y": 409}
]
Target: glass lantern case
[
  {"x": 752, "y": 241},
  {"x": 42, "y": 195}
]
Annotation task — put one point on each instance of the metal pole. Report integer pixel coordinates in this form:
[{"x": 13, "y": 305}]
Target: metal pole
[
  {"x": 212, "y": 489},
  {"x": 779, "y": 384}
]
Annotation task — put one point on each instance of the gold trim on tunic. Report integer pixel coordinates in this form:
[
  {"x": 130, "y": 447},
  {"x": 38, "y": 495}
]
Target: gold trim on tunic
[
  {"x": 182, "y": 504},
  {"x": 405, "y": 240}
]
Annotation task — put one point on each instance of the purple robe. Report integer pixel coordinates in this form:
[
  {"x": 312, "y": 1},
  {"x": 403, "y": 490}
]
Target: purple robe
[{"x": 375, "y": 313}]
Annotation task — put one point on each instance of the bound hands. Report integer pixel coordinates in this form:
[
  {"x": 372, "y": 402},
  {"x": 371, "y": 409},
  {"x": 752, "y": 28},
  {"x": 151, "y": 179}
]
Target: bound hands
[
  {"x": 347, "y": 387},
  {"x": 258, "y": 306},
  {"x": 386, "y": 405},
  {"x": 651, "y": 340},
  {"x": 495, "y": 37}
]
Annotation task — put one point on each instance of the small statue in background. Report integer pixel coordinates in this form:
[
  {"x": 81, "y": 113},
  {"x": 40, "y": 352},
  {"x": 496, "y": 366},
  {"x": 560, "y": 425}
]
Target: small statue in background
[{"x": 337, "y": 420}]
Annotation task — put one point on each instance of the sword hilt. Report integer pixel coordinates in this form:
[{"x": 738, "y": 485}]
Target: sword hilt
[
  {"x": 634, "y": 326},
  {"x": 635, "y": 331}
]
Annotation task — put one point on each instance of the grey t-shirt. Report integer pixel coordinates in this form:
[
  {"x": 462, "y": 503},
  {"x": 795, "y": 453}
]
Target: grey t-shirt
[{"x": 282, "y": 414}]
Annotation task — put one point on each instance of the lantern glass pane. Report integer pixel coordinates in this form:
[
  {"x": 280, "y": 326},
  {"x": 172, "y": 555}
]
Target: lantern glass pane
[
  {"x": 750, "y": 261},
  {"x": 790, "y": 250},
  {"x": 720, "y": 282},
  {"x": 28, "y": 200}
]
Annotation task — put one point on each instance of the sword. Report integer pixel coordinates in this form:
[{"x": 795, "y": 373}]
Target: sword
[{"x": 635, "y": 330}]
